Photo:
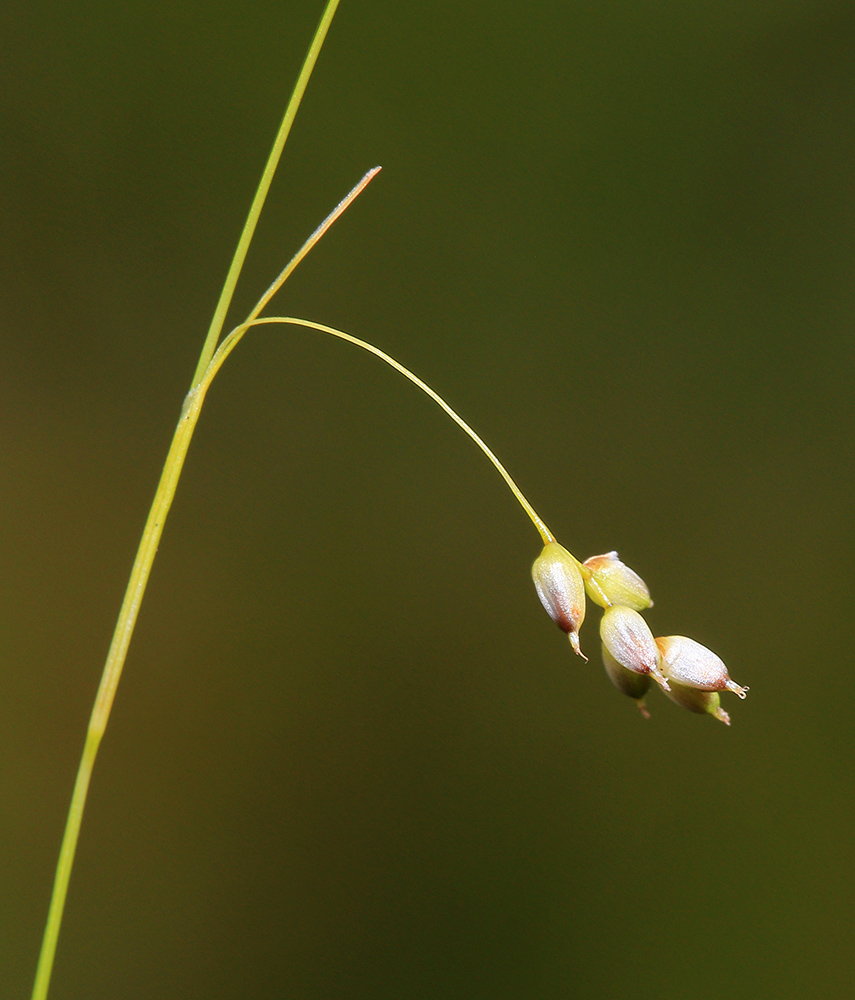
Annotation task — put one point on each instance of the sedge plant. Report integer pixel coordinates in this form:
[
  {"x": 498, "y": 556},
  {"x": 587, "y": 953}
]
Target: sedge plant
[{"x": 689, "y": 673}]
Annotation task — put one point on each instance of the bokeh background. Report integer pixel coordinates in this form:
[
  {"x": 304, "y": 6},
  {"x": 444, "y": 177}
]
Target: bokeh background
[{"x": 350, "y": 756}]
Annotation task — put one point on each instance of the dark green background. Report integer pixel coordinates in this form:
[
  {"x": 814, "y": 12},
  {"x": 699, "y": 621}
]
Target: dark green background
[{"x": 350, "y": 756}]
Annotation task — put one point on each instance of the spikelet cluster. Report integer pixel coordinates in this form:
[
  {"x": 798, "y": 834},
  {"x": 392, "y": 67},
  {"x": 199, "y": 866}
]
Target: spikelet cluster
[{"x": 690, "y": 674}]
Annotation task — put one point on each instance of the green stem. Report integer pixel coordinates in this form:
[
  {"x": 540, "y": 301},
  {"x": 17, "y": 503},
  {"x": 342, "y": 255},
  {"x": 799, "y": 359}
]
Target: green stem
[
  {"x": 152, "y": 532},
  {"x": 219, "y": 317},
  {"x": 231, "y": 341},
  {"x": 107, "y": 690}
]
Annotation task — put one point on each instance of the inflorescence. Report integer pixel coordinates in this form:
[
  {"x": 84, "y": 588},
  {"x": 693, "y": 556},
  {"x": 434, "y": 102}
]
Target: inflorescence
[{"x": 690, "y": 674}]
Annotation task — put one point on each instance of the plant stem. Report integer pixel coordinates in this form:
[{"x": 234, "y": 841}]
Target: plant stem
[
  {"x": 107, "y": 690},
  {"x": 231, "y": 341},
  {"x": 219, "y": 317},
  {"x": 152, "y": 532}
]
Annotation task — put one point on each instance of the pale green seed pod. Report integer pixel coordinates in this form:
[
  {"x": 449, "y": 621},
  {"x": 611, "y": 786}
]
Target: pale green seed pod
[
  {"x": 627, "y": 636},
  {"x": 561, "y": 590},
  {"x": 628, "y": 682},
  {"x": 687, "y": 662},
  {"x": 696, "y": 700},
  {"x": 613, "y": 582}
]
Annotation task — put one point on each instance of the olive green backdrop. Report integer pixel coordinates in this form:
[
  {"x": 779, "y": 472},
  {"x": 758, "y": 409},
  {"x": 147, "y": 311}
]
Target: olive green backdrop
[{"x": 350, "y": 756}]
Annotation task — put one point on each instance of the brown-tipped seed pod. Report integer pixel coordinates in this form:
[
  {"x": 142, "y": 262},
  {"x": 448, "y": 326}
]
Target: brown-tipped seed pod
[
  {"x": 627, "y": 636},
  {"x": 559, "y": 584},
  {"x": 687, "y": 662},
  {"x": 628, "y": 682},
  {"x": 613, "y": 582}
]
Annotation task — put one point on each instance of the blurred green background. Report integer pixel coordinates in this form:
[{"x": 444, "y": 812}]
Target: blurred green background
[{"x": 350, "y": 756}]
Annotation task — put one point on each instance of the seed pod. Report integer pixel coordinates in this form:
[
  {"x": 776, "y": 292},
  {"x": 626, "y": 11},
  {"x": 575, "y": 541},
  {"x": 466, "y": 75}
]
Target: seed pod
[
  {"x": 559, "y": 584},
  {"x": 687, "y": 662},
  {"x": 627, "y": 636},
  {"x": 628, "y": 682},
  {"x": 613, "y": 582},
  {"x": 698, "y": 701}
]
